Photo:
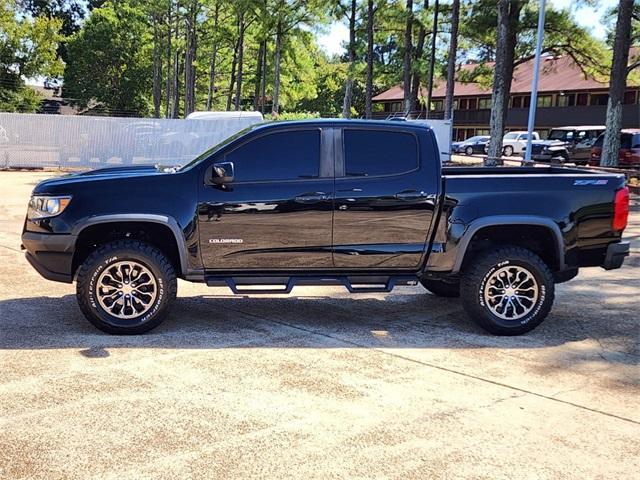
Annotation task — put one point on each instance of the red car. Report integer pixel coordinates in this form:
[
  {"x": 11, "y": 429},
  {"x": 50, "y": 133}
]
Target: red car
[{"x": 629, "y": 154}]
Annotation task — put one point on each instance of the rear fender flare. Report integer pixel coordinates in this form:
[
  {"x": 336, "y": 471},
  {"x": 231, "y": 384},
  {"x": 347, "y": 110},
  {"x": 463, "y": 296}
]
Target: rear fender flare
[{"x": 499, "y": 220}]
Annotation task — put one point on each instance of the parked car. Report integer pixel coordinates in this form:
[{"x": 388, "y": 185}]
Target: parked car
[
  {"x": 471, "y": 145},
  {"x": 567, "y": 144},
  {"x": 365, "y": 205},
  {"x": 516, "y": 142},
  {"x": 629, "y": 153}
]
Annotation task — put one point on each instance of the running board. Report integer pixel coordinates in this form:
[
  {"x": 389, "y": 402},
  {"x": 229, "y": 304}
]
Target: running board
[{"x": 279, "y": 285}]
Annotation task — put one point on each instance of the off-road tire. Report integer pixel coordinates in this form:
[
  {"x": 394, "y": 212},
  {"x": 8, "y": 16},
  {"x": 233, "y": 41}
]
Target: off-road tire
[
  {"x": 478, "y": 273},
  {"x": 118, "y": 251},
  {"x": 440, "y": 288}
]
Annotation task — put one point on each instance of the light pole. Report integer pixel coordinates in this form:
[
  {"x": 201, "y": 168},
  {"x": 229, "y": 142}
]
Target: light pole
[{"x": 534, "y": 82}]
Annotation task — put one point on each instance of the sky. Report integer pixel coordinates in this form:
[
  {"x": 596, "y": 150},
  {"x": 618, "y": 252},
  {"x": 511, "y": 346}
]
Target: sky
[{"x": 332, "y": 42}]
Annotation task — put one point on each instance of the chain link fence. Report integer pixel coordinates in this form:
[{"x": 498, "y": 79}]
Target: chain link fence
[{"x": 72, "y": 141}]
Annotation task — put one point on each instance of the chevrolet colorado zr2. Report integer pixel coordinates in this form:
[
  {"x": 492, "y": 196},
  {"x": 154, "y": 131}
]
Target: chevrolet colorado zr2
[{"x": 362, "y": 204}]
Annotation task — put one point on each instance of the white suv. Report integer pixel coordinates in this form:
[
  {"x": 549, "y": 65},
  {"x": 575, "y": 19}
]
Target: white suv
[{"x": 516, "y": 142}]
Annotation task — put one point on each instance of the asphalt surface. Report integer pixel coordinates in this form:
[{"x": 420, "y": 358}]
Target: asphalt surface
[{"x": 318, "y": 384}]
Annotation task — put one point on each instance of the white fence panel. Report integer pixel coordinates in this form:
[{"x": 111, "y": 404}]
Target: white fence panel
[{"x": 31, "y": 140}]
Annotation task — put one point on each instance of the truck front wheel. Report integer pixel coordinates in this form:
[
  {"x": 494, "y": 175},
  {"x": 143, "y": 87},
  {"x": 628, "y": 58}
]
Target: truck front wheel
[
  {"x": 507, "y": 290},
  {"x": 126, "y": 287}
]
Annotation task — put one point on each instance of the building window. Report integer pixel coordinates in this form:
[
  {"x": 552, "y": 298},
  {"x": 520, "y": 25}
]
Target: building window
[
  {"x": 582, "y": 99},
  {"x": 599, "y": 99},
  {"x": 484, "y": 103},
  {"x": 566, "y": 100},
  {"x": 473, "y": 104},
  {"x": 455, "y": 104},
  {"x": 516, "y": 102},
  {"x": 482, "y": 131},
  {"x": 463, "y": 104},
  {"x": 396, "y": 106},
  {"x": 545, "y": 100},
  {"x": 629, "y": 97},
  {"x": 526, "y": 101},
  {"x": 437, "y": 105}
]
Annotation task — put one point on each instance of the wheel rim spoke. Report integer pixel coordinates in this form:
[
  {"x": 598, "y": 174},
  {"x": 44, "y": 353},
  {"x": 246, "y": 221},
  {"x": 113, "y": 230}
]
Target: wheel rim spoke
[
  {"x": 511, "y": 292},
  {"x": 126, "y": 290}
]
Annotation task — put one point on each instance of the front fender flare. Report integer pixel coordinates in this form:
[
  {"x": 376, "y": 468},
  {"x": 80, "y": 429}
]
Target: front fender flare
[{"x": 142, "y": 217}]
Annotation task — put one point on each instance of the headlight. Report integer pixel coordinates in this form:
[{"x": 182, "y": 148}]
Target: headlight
[{"x": 45, "y": 207}]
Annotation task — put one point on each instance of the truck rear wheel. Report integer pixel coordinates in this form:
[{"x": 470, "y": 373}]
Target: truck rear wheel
[
  {"x": 440, "y": 288},
  {"x": 507, "y": 290},
  {"x": 126, "y": 287}
]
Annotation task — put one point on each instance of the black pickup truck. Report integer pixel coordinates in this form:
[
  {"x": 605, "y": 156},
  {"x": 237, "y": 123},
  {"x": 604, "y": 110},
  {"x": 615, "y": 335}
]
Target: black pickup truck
[{"x": 366, "y": 205}]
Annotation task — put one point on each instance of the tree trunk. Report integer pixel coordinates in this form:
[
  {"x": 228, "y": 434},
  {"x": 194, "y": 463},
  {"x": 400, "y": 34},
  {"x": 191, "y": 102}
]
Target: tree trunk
[
  {"x": 176, "y": 75},
  {"x": 408, "y": 51},
  {"x": 263, "y": 86},
  {"x": 238, "y": 98},
  {"x": 276, "y": 71},
  {"x": 368, "y": 107},
  {"x": 415, "y": 80},
  {"x": 617, "y": 85},
  {"x": 258, "y": 79},
  {"x": 348, "y": 88},
  {"x": 189, "y": 57},
  {"x": 496, "y": 124},
  {"x": 157, "y": 67},
  {"x": 432, "y": 60},
  {"x": 451, "y": 61},
  {"x": 214, "y": 60},
  {"x": 508, "y": 14},
  {"x": 167, "y": 110},
  {"x": 234, "y": 64}
]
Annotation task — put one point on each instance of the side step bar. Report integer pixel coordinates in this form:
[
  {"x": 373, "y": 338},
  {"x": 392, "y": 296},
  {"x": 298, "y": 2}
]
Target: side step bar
[{"x": 271, "y": 285}]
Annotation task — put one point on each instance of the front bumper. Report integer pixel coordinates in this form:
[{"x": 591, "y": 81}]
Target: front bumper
[
  {"x": 616, "y": 252},
  {"x": 50, "y": 255}
]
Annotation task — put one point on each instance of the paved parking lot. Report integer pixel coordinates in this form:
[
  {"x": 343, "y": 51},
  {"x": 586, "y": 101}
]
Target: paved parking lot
[{"x": 318, "y": 384}]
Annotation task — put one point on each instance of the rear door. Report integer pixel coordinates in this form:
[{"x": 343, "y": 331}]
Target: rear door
[
  {"x": 385, "y": 197},
  {"x": 277, "y": 212}
]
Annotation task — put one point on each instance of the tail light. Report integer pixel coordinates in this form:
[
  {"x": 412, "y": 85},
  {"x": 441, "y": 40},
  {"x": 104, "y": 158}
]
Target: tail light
[{"x": 621, "y": 209}]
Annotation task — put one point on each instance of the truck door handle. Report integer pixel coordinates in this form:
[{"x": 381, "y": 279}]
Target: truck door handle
[
  {"x": 311, "y": 197},
  {"x": 410, "y": 195}
]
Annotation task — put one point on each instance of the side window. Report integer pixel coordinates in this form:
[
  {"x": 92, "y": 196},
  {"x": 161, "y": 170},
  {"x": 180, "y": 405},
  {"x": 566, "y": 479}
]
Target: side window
[
  {"x": 379, "y": 152},
  {"x": 290, "y": 155}
]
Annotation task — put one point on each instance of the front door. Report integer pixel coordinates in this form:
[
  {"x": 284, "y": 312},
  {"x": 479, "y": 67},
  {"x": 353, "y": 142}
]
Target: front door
[
  {"x": 277, "y": 211},
  {"x": 385, "y": 197}
]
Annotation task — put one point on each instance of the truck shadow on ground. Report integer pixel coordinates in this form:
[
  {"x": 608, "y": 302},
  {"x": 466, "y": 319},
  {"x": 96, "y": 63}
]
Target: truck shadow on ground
[{"x": 417, "y": 321}]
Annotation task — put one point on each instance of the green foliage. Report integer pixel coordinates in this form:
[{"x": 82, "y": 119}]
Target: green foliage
[
  {"x": 27, "y": 49},
  {"x": 110, "y": 60},
  {"x": 20, "y": 99}
]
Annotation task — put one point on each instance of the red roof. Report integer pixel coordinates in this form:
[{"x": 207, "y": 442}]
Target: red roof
[{"x": 556, "y": 74}]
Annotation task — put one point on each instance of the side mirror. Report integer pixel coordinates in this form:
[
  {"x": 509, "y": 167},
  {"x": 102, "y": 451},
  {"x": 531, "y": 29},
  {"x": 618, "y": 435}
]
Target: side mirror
[{"x": 222, "y": 173}]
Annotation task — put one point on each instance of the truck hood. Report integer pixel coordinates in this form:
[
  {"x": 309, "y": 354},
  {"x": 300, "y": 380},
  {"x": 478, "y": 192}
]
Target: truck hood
[
  {"x": 108, "y": 173},
  {"x": 550, "y": 143}
]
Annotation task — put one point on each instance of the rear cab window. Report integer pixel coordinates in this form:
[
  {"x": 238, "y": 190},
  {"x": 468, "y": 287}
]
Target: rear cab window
[{"x": 369, "y": 153}]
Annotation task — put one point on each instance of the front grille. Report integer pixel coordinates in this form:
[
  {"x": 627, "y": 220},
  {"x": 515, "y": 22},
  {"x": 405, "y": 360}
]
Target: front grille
[{"x": 536, "y": 149}]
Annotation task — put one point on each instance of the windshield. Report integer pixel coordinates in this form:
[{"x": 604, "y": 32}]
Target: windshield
[
  {"x": 564, "y": 135},
  {"x": 211, "y": 151}
]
